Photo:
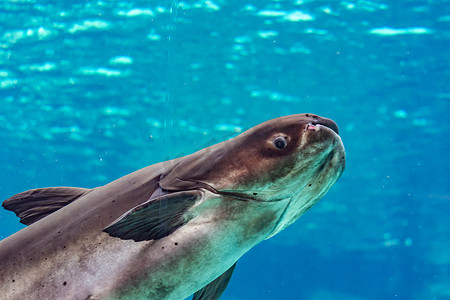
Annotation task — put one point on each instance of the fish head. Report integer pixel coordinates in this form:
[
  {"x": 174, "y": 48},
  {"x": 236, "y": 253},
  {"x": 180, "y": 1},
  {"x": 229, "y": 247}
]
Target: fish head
[
  {"x": 280, "y": 157},
  {"x": 295, "y": 159}
]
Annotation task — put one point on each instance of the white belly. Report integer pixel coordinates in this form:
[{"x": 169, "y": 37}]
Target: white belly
[{"x": 174, "y": 267}]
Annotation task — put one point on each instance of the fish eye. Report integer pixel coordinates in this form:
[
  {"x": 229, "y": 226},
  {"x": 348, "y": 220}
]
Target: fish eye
[{"x": 280, "y": 142}]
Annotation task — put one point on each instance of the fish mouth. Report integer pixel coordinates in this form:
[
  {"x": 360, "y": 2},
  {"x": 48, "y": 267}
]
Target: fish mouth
[
  {"x": 328, "y": 123},
  {"x": 326, "y": 132}
]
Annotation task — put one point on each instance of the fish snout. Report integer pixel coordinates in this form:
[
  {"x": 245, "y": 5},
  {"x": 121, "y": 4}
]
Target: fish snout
[
  {"x": 322, "y": 138},
  {"x": 317, "y": 120}
]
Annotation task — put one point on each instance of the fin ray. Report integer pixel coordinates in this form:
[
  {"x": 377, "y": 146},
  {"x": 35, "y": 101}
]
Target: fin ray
[{"x": 155, "y": 218}]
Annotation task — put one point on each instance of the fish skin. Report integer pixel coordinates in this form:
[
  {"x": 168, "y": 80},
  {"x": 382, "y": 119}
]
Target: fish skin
[{"x": 248, "y": 190}]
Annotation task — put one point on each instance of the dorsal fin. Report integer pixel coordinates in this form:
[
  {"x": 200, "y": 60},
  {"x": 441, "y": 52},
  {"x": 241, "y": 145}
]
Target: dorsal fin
[{"x": 33, "y": 205}]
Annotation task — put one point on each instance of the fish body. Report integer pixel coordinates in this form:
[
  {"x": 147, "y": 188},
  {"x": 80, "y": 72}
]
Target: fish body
[{"x": 171, "y": 229}]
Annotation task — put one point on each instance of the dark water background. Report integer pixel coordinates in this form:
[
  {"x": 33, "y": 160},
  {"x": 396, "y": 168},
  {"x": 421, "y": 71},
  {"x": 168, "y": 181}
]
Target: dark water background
[{"x": 93, "y": 90}]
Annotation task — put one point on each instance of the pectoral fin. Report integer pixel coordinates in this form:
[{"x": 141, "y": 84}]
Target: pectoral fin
[
  {"x": 214, "y": 290},
  {"x": 155, "y": 218},
  {"x": 33, "y": 205}
]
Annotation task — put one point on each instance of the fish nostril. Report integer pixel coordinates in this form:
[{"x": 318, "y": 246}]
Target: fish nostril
[{"x": 315, "y": 118}]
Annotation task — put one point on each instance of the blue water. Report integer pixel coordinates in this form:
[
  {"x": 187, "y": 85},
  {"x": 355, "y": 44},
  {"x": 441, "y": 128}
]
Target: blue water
[{"x": 93, "y": 90}]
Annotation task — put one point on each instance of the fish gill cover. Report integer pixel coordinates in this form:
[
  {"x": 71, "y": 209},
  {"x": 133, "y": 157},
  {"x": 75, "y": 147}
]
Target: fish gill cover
[{"x": 91, "y": 90}]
